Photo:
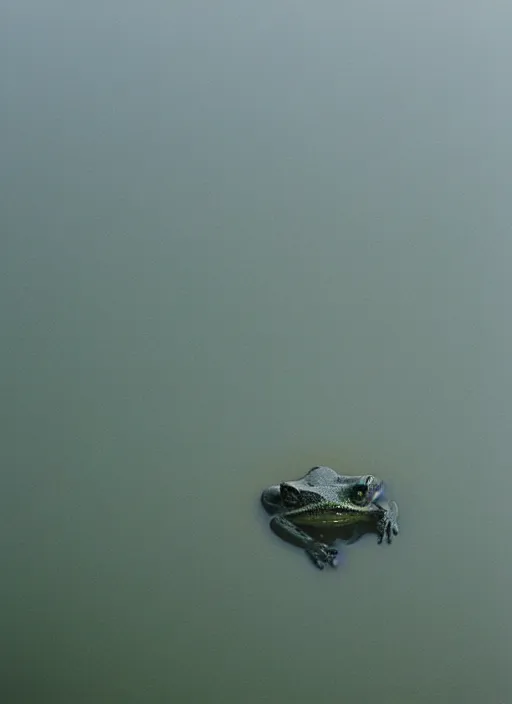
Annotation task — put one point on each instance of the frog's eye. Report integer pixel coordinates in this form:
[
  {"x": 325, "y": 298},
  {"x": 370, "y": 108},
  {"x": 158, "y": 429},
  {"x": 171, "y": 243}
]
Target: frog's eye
[
  {"x": 359, "y": 493},
  {"x": 290, "y": 496}
]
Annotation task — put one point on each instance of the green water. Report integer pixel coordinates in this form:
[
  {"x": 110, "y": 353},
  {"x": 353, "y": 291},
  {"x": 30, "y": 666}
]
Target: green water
[{"x": 239, "y": 240}]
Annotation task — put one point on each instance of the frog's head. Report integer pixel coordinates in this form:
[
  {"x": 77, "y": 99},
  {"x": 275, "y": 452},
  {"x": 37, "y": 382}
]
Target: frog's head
[{"x": 322, "y": 484}]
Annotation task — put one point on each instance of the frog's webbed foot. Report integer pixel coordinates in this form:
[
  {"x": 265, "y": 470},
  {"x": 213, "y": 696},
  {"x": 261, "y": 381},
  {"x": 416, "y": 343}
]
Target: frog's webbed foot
[
  {"x": 321, "y": 554},
  {"x": 387, "y": 526}
]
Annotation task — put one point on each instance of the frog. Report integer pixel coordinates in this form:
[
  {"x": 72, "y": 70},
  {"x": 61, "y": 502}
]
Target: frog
[{"x": 324, "y": 506}]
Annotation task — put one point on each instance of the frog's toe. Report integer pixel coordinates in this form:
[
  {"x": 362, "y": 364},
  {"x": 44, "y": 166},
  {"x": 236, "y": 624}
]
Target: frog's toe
[
  {"x": 384, "y": 532},
  {"x": 322, "y": 555},
  {"x": 394, "y": 528},
  {"x": 332, "y": 557}
]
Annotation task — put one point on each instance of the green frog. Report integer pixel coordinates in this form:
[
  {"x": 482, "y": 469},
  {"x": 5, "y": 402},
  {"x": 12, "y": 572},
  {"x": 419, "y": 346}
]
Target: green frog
[{"x": 324, "y": 506}]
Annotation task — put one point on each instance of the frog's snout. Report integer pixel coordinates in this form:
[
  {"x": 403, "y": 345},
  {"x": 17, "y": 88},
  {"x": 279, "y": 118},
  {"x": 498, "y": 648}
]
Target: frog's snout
[
  {"x": 375, "y": 487},
  {"x": 271, "y": 499}
]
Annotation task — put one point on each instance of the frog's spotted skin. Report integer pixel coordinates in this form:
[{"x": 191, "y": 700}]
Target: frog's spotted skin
[{"x": 323, "y": 506}]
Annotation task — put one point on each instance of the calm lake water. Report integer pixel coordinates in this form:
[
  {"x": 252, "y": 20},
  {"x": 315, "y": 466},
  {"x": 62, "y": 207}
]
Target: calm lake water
[{"x": 239, "y": 240}]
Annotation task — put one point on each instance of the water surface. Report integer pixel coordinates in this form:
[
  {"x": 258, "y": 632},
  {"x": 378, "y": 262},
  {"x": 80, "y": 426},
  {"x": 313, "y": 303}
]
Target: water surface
[{"x": 239, "y": 241}]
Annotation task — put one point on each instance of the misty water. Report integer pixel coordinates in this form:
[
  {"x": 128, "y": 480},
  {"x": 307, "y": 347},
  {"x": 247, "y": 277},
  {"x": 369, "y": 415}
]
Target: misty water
[{"x": 239, "y": 240}]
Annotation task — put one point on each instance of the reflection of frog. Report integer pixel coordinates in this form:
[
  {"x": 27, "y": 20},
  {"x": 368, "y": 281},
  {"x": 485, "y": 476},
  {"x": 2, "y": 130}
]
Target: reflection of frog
[{"x": 323, "y": 506}]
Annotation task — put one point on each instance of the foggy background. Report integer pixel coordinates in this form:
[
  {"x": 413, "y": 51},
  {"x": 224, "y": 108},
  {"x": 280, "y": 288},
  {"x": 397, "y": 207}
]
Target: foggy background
[{"x": 238, "y": 240}]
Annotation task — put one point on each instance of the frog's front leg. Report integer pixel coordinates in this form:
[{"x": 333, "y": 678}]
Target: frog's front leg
[
  {"x": 387, "y": 525},
  {"x": 319, "y": 553}
]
